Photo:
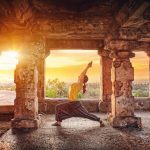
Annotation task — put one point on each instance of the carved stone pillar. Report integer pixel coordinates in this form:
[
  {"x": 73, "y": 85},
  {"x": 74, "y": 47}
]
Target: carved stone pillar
[
  {"x": 26, "y": 102},
  {"x": 26, "y": 79},
  {"x": 122, "y": 111},
  {"x": 148, "y": 54},
  {"x": 41, "y": 80},
  {"x": 105, "y": 82}
]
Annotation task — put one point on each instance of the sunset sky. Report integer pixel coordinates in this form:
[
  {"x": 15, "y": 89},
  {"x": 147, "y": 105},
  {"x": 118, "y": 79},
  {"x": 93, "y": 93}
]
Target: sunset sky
[{"x": 68, "y": 64}]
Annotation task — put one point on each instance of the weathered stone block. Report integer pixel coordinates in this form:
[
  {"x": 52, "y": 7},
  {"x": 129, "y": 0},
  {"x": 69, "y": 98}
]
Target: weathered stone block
[
  {"x": 123, "y": 122},
  {"x": 124, "y": 106},
  {"x": 20, "y": 123},
  {"x": 124, "y": 72}
]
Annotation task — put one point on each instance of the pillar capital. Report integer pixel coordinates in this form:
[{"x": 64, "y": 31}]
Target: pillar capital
[
  {"x": 35, "y": 48},
  {"x": 118, "y": 44},
  {"x": 102, "y": 52},
  {"x": 122, "y": 54}
]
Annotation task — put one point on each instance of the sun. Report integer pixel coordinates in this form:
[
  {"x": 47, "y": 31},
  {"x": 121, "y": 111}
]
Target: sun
[{"x": 8, "y": 60}]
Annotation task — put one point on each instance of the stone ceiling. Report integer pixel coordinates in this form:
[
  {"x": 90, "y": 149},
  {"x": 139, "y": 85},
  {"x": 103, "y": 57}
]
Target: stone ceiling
[{"x": 74, "y": 19}]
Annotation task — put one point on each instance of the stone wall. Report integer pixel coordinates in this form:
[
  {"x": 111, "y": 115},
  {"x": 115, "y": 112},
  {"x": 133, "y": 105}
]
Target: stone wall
[
  {"x": 48, "y": 106},
  {"x": 142, "y": 104}
]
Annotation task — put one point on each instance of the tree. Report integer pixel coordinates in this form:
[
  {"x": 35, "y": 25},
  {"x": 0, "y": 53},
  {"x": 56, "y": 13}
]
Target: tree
[{"x": 56, "y": 88}]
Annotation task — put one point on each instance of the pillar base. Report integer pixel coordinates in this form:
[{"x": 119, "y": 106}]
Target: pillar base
[
  {"x": 104, "y": 106},
  {"x": 124, "y": 122},
  {"x": 22, "y": 123}
]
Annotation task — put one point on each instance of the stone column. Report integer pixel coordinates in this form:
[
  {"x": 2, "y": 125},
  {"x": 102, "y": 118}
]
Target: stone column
[
  {"x": 41, "y": 80},
  {"x": 26, "y": 79},
  {"x": 105, "y": 82},
  {"x": 26, "y": 102},
  {"x": 148, "y": 54},
  {"x": 122, "y": 111}
]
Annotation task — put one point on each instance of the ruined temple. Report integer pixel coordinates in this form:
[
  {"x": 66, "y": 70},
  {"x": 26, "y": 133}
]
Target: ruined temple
[{"x": 116, "y": 29}]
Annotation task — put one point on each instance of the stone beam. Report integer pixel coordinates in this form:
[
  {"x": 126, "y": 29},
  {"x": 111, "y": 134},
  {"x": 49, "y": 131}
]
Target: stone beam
[
  {"x": 52, "y": 44},
  {"x": 122, "y": 109},
  {"x": 105, "y": 82},
  {"x": 139, "y": 34},
  {"x": 129, "y": 33},
  {"x": 131, "y": 14},
  {"x": 57, "y": 26},
  {"x": 126, "y": 45},
  {"x": 42, "y": 18}
]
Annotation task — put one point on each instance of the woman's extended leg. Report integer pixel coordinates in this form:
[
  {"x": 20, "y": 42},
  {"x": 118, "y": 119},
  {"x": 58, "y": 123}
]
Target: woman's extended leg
[{"x": 82, "y": 112}]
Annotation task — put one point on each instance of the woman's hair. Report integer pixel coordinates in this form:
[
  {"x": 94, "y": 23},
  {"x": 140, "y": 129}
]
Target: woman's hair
[{"x": 84, "y": 83}]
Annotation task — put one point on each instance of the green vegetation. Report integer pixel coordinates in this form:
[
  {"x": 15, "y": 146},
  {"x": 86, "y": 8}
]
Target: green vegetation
[
  {"x": 140, "y": 90},
  {"x": 58, "y": 89}
]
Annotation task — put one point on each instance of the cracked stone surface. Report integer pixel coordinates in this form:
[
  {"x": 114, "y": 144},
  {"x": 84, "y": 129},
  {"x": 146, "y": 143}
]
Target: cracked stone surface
[{"x": 80, "y": 134}]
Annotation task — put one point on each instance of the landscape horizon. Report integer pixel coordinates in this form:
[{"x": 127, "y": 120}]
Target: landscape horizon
[{"x": 67, "y": 65}]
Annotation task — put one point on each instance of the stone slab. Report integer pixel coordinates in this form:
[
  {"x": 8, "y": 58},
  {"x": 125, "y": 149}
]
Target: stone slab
[{"x": 20, "y": 123}]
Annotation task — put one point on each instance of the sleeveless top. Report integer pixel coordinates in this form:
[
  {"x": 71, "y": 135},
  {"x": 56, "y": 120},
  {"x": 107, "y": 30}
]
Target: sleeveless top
[{"x": 74, "y": 89}]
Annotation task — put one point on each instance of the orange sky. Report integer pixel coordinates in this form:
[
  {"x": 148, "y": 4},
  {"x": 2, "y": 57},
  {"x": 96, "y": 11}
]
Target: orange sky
[{"x": 68, "y": 64}]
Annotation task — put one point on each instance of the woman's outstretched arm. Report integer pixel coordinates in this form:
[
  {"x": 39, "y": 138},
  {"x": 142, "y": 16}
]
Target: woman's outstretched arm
[{"x": 81, "y": 77}]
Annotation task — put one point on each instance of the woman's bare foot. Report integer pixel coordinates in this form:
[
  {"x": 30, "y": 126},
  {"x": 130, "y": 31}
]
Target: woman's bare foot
[{"x": 56, "y": 123}]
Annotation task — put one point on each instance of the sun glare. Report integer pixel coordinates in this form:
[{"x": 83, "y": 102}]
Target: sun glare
[{"x": 8, "y": 60}]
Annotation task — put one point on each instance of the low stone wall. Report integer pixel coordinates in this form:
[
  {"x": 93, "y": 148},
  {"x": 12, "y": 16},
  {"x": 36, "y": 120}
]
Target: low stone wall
[
  {"x": 142, "y": 104},
  {"x": 5, "y": 109},
  {"x": 49, "y": 105},
  {"x": 91, "y": 105},
  {"x": 6, "y": 112}
]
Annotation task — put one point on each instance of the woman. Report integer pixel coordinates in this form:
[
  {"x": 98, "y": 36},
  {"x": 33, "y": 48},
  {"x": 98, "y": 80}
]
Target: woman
[{"x": 74, "y": 108}]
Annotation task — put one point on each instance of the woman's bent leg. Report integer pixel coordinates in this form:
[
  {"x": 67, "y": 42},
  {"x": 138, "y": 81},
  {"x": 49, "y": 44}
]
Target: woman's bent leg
[{"x": 62, "y": 111}]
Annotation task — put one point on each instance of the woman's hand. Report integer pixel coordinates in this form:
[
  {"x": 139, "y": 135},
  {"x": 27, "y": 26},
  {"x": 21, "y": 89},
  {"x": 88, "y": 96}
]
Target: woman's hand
[{"x": 90, "y": 64}]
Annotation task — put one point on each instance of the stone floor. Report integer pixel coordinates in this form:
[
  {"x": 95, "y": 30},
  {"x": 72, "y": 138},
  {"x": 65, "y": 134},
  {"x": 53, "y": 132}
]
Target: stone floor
[{"x": 79, "y": 134}]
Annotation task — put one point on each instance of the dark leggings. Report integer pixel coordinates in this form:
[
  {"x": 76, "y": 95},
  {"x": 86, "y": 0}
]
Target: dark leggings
[{"x": 73, "y": 109}]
